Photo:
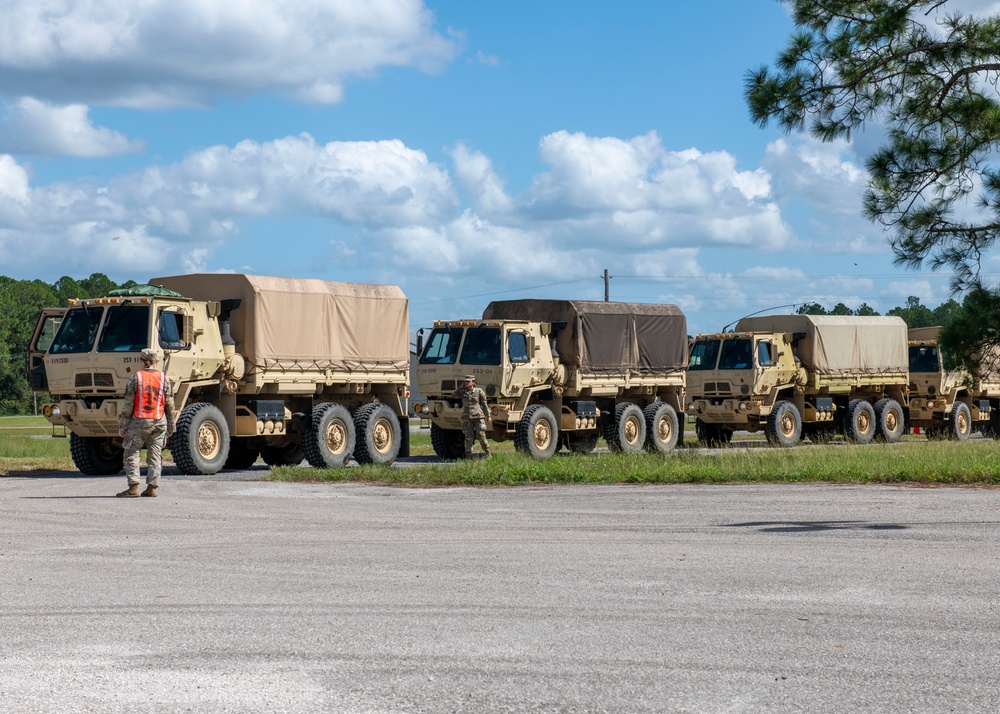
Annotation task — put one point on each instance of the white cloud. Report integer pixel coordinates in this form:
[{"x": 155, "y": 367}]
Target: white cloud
[
  {"x": 165, "y": 53},
  {"x": 30, "y": 126},
  {"x": 825, "y": 174}
]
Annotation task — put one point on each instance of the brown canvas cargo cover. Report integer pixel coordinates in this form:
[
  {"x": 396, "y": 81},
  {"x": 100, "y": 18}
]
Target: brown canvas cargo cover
[
  {"x": 989, "y": 364},
  {"x": 607, "y": 337},
  {"x": 841, "y": 344},
  {"x": 303, "y": 323}
]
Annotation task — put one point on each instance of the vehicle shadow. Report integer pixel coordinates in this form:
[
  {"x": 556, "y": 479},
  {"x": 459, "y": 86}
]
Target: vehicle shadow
[{"x": 815, "y": 526}]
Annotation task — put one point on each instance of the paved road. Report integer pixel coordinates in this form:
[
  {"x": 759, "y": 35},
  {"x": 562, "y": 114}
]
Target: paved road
[{"x": 237, "y": 595}]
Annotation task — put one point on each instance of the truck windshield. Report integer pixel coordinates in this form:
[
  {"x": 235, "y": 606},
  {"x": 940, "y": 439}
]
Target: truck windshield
[
  {"x": 78, "y": 330},
  {"x": 924, "y": 358},
  {"x": 736, "y": 354},
  {"x": 442, "y": 346},
  {"x": 482, "y": 346},
  {"x": 126, "y": 329},
  {"x": 704, "y": 354}
]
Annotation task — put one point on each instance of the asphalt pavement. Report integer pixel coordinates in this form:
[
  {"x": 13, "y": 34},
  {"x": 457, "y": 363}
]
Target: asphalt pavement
[{"x": 229, "y": 594}]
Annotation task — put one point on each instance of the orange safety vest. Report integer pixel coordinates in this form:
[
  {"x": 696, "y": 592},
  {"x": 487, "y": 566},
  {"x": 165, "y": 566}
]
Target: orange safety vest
[{"x": 149, "y": 394}]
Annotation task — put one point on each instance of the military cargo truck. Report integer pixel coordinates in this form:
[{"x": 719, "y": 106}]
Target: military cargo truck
[
  {"x": 946, "y": 402},
  {"x": 284, "y": 368},
  {"x": 560, "y": 373},
  {"x": 801, "y": 375}
]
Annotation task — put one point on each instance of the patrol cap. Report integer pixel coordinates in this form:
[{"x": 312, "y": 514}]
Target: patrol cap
[
  {"x": 468, "y": 378},
  {"x": 148, "y": 355}
]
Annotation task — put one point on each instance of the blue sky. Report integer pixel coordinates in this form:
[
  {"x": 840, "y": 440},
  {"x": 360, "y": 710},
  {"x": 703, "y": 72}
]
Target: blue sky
[{"x": 466, "y": 151}]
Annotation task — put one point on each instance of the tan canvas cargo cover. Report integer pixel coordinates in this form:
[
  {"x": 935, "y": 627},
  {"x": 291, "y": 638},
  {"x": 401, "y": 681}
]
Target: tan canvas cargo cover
[
  {"x": 303, "y": 323},
  {"x": 607, "y": 337},
  {"x": 840, "y": 344}
]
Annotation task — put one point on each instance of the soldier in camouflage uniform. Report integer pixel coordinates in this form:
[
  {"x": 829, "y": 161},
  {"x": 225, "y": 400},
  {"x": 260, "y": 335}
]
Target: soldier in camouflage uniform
[
  {"x": 148, "y": 418},
  {"x": 475, "y": 415}
]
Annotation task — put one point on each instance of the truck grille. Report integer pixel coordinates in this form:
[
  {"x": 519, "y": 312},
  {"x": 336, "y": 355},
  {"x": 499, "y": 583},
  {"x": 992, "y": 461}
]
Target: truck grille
[
  {"x": 721, "y": 387},
  {"x": 84, "y": 379},
  {"x": 104, "y": 379},
  {"x": 448, "y": 385}
]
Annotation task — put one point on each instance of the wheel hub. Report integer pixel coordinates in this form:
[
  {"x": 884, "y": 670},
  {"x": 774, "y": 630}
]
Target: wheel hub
[
  {"x": 209, "y": 440},
  {"x": 542, "y": 434},
  {"x": 631, "y": 430},
  {"x": 382, "y": 436},
  {"x": 336, "y": 436}
]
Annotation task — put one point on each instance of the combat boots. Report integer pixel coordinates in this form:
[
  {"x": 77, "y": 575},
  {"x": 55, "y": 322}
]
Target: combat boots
[
  {"x": 150, "y": 491},
  {"x": 131, "y": 492}
]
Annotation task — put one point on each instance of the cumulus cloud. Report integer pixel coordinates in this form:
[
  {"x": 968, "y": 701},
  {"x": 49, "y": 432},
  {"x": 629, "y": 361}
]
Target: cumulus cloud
[
  {"x": 30, "y": 126},
  {"x": 166, "y": 53}
]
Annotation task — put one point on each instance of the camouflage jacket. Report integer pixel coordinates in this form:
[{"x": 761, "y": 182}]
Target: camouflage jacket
[
  {"x": 473, "y": 403},
  {"x": 128, "y": 406}
]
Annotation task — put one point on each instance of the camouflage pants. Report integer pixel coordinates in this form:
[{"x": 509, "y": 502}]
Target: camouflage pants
[
  {"x": 153, "y": 438},
  {"x": 474, "y": 429}
]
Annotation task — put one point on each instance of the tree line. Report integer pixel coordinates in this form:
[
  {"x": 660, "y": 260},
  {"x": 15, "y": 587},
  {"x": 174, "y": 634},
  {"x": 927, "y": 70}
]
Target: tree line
[{"x": 21, "y": 301}]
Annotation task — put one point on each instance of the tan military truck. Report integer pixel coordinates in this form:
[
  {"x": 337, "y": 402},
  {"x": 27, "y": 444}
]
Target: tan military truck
[
  {"x": 560, "y": 373},
  {"x": 801, "y": 375},
  {"x": 949, "y": 403},
  {"x": 288, "y": 369}
]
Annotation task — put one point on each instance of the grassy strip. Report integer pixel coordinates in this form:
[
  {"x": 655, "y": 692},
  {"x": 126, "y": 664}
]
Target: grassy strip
[{"x": 972, "y": 462}]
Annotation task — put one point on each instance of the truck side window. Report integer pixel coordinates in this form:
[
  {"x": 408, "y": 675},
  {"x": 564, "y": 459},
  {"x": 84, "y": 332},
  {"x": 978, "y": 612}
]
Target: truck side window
[
  {"x": 442, "y": 346},
  {"x": 170, "y": 327},
  {"x": 764, "y": 354},
  {"x": 517, "y": 347}
]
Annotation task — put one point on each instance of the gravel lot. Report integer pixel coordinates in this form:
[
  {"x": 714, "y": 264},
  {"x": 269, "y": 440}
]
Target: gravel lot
[{"x": 238, "y": 595}]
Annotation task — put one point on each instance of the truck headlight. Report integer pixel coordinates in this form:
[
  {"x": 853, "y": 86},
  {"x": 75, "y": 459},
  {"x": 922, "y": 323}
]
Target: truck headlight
[{"x": 55, "y": 412}]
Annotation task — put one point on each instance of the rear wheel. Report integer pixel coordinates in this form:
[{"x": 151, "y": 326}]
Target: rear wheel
[
  {"x": 287, "y": 455},
  {"x": 242, "y": 454},
  {"x": 712, "y": 434},
  {"x": 662, "y": 428},
  {"x": 201, "y": 443},
  {"x": 378, "y": 434},
  {"x": 889, "y": 421},
  {"x": 537, "y": 433},
  {"x": 859, "y": 425},
  {"x": 627, "y": 433},
  {"x": 449, "y": 444},
  {"x": 96, "y": 455},
  {"x": 784, "y": 425},
  {"x": 329, "y": 440}
]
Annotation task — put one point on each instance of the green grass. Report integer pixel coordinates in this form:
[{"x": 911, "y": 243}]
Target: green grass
[
  {"x": 918, "y": 462},
  {"x": 26, "y": 445}
]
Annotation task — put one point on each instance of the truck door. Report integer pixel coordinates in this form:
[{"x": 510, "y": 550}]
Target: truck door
[
  {"x": 45, "y": 329},
  {"x": 515, "y": 372}
]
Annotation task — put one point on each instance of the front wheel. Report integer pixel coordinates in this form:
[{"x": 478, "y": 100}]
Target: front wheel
[
  {"x": 96, "y": 455},
  {"x": 287, "y": 455},
  {"x": 784, "y": 425},
  {"x": 449, "y": 444},
  {"x": 201, "y": 444},
  {"x": 537, "y": 433},
  {"x": 961, "y": 422},
  {"x": 712, "y": 435}
]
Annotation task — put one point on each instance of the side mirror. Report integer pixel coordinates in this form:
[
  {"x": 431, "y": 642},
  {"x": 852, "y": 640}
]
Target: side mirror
[{"x": 420, "y": 341}]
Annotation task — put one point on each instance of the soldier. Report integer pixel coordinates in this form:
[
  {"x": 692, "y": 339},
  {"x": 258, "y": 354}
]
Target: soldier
[
  {"x": 148, "y": 417},
  {"x": 475, "y": 415}
]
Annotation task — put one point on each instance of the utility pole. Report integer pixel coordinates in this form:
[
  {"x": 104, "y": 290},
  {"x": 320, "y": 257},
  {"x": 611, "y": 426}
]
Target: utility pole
[{"x": 607, "y": 286}]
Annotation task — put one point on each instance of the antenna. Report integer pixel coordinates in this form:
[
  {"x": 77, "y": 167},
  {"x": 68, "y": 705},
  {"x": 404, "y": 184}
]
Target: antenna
[{"x": 775, "y": 307}]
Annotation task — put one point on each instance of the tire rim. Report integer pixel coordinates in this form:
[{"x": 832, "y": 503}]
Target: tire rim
[
  {"x": 209, "y": 440},
  {"x": 631, "y": 430},
  {"x": 891, "y": 421},
  {"x": 962, "y": 422},
  {"x": 787, "y": 425},
  {"x": 663, "y": 429},
  {"x": 542, "y": 434},
  {"x": 382, "y": 436},
  {"x": 863, "y": 422},
  {"x": 336, "y": 436}
]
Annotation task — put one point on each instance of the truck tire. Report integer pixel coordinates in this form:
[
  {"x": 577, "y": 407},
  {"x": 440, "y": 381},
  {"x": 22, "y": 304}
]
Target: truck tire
[
  {"x": 712, "y": 435},
  {"x": 859, "y": 422},
  {"x": 993, "y": 430},
  {"x": 662, "y": 428},
  {"x": 378, "y": 434},
  {"x": 287, "y": 455},
  {"x": 961, "y": 422},
  {"x": 242, "y": 454},
  {"x": 537, "y": 433},
  {"x": 889, "y": 421},
  {"x": 449, "y": 444},
  {"x": 201, "y": 444},
  {"x": 329, "y": 440},
  {"x": 96, "y": 455},
  {"x": 784, "y": 425},
  {"x": 627, "y": 433},
  {"x": 581, "y": 442}
]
